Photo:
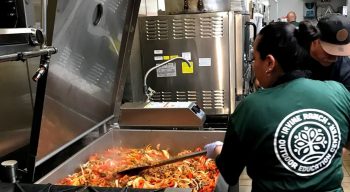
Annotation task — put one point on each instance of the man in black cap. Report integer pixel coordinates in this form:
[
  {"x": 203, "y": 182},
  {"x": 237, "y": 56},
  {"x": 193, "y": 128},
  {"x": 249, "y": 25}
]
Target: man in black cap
[{"x": 328, "y": 46}]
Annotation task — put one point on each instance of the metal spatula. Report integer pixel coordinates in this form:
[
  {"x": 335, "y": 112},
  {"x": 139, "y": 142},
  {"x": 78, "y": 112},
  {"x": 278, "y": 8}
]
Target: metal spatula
[{"x": 136, "y": 170}]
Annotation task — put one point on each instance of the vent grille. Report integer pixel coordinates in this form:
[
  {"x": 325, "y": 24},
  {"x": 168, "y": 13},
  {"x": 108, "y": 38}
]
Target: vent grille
[
  {"x": 157, "y": 30},
  {"x": 210, "y": 99},
  {"x": 113, "y": 5},
  {"x": 211, "y": 27},
  {"x": 184, "y": 28},
  {"x": 70, "y": 60},
  {"x": 186, "y": 96},
  {"x": 192, "y": 96},
  {"x": 162, "y": 96},
  {"x": 213, "y": 99},
  {"x": 179, "y": 96},
  {"x": 95, "y": 73}
]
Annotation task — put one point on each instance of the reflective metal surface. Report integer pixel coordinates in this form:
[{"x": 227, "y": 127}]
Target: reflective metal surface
[
  {"x": 177, "y": 6},
  {"x": 148, "y": 90},
  {"x": 7, "y": 31},
  {"x": 239, "y": 36},
  {"x": 161, "y": 114},
  {"x": 176, "y": 141},
  {"x": 83, "y": 75},
  {"x": 201, "y": 38},
  {"x": 240, "y": 6},
  {"x": 232, "y": 59},
  {"x": 16, "y": 98},
  {"x": 16, "y": 105}
]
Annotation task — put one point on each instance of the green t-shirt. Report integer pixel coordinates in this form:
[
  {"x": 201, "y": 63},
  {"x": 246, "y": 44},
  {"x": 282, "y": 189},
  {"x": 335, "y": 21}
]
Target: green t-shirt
[{"x": 290, "y": 137}]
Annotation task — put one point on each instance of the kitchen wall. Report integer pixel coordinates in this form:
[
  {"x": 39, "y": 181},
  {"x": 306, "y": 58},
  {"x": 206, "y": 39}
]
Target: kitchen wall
[{"x": 280, "y": 8}]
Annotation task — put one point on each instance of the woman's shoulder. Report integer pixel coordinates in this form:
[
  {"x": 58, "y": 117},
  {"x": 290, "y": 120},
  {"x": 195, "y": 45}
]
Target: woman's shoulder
[
  {"x": 323, "y": 87},
  {"x": 319, "y": 84}
]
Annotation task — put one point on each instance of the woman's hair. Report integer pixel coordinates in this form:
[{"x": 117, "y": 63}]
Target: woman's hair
[
  {"x": 279, "y": 39},
  {"x": 307, "y": 33}
]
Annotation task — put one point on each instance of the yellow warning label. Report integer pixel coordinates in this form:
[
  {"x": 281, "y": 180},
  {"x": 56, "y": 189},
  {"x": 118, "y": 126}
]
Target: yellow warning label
[
  {"x": 187, "y": 69},
  {"x": 173, "y": 56},
  {"x": 166, "y": 58}
]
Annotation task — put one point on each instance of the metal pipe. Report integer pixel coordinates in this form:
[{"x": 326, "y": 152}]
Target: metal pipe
[
  {"x": 36, "y": 122},
  {"x": 26, "y": 55},
  {"x": 11, "y": 31},
  {"x": 43, "y": 16},
  {"x": 157, "y": 66},
  {"x": 35, "y": 35}
]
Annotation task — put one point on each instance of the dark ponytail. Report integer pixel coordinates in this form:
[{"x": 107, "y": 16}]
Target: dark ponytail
[{"x": 307, "y": 33}]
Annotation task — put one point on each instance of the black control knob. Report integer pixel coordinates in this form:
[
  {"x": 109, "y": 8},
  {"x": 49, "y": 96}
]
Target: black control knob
[{"x": 196, "y": 109}]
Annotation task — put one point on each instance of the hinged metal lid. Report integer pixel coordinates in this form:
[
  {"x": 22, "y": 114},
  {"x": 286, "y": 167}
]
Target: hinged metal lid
[{"x": 86, "y": 77}]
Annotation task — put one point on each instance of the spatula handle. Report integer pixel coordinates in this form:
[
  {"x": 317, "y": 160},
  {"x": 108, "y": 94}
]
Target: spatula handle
[
  {"x": 136, "y": 170},
  {"x": 180, "y": 158}
]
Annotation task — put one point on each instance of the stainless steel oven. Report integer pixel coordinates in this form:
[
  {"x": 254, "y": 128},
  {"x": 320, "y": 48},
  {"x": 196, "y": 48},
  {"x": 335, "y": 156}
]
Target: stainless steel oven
[
  {"x": 217, "y": 45},
  {"x": 203, "y": 39}
]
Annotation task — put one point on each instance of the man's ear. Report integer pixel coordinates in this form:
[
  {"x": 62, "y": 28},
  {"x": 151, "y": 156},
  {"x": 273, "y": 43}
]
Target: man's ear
[{"x": 271, "y": 62}]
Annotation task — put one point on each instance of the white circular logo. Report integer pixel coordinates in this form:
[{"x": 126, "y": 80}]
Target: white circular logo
[{"x": 306, "y": 141}]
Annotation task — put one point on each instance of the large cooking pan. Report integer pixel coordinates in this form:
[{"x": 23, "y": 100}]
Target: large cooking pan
[{"x": 175, "y": 140}]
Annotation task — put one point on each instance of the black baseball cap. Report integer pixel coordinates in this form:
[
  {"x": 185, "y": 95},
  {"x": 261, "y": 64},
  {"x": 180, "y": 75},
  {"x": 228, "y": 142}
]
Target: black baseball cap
[{"x": 335, "y": 34}]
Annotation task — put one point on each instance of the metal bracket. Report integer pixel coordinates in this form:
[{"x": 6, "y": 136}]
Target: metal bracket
[{"x": 44, "y": 60}]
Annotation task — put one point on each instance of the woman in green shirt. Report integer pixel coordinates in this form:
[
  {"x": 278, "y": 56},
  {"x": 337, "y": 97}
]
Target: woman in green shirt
[{"x": 290, "y": 134}]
